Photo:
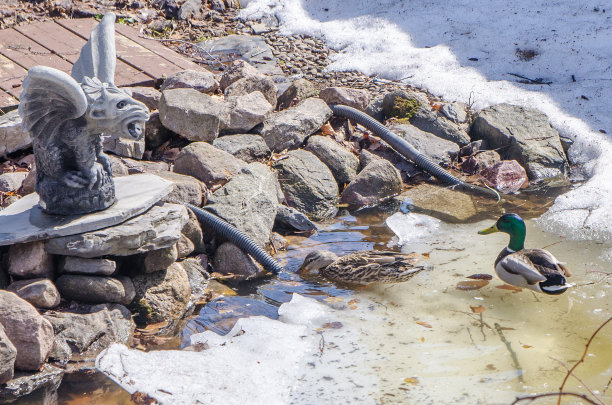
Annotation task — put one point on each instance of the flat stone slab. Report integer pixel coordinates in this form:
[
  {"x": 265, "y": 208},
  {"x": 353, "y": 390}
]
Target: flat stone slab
[{"x": 24, "y": 221}]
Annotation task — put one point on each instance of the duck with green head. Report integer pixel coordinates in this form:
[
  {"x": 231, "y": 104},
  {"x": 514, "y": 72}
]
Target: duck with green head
[{"x": 535, "y": 269}]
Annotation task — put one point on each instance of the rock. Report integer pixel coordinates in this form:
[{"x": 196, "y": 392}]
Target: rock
[
  {"x": 249, "y": 84},
  {"x": 440, "y": 202},
  {"x": 4, "y": 277},
  {"x": 202, "y": 81},
  {"x": 377, "y": 182},
  {"x": 308, "y": 184},
  {"x": 299, "y": 90},
  {"x": 29, "y": 182},
  {"x": 232, "y": 4},
  {"x": 30, "y": 260},
  {"x": 143, "y": 166},
  {"x": 525, "y": 135},
  {"x": 184, "y": 247},
  {"x": 28, "y": 331},
  {"x": 438, "y": 149},
  {"x": 96, "y": 289},
  {"x": 473, "y": 147},
  {"x": 12, "y": 181},
  {"x": 342, "y": 163},
  {"x": 434, "y": 122},
  {"x": 290, "y": 128},
  {"x": 12, "y": 136},
  {"x": 237, "y": 70},
  {"x": 193, "y": 231},
  {"x": 91, "y": 267},
  {"x": 246, "y": 147},
  {"x": 81, "y": 336},
  {"x": 185, "y": 189},
  {"x": 118, "y": 169},
  {"x": 198, "y": 277},
  {"x": 290, "y": 218},
  {"x": 249, "y": 202},
  {"x": 217, "y": 5},
  {"x": 191, "y": 9},
  {"x": 278, "y": 243},
  {"x": 366, "y": 157},
  {"x": 8, "y": 353},
  {"x": 356, "y": 98},
  {"x": 375, "y": 109},
  {"x": 46, "y": 381},
  {"x": 480, "y": 161},
  {"x": 191, "y": 114},
  {"x": 390, "y": 108},
  {"x": 456, "y": 112},
  {"x": 207, "y": 163},
  {"x": 233, "y": 263},
  {"x": 155, "y": 133},
  {"x": 507, "y": 176},
  {"x": 163, "y": 295},
  {"x": 40, "y": 292},
  {"x": 149, "y": 96},
  {"x": 124, "y": 147},
  {"x": 158, "y": 228},
  {"x": 247, "y": 111},
  {"x": 160, "y": 259}
]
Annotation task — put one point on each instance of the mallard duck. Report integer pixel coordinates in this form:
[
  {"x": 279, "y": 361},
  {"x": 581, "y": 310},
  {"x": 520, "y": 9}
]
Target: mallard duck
[
  {"x": 535, "y": 269},
  {"x": 365, "y": 267}
]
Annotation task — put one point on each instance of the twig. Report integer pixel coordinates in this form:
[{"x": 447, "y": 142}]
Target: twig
[
  {"x": 586, "y": 349},
  {"x": 527, "y": 80},
  {"x": 553, "y": 394},
  {"x": 577, "y": 378},
  {"x": 517, "y": 365}
]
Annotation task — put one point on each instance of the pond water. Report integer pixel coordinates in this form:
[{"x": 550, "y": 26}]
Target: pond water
[{"x": 426, "y": 341}]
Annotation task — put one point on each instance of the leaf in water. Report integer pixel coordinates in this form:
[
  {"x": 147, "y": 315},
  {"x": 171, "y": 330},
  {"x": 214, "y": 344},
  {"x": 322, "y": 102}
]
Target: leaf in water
[
  {"x": 477, "y": 310},
  {"x": 353, "y": 301},
  {"x": 425, "y": 324},
  {"x": 525, "y": 346},
  {"x": 509, "y": 287},
  {"x": 332, "y": 325},
  {"x": 327, "y": 130},
  {"x": 491, "y": 367},
  {"x": 471, "y": 285},
  {"x": 412, "y": 380},
  {"x": 480, "y": 276},
  {"x": 333, "y": 300}
]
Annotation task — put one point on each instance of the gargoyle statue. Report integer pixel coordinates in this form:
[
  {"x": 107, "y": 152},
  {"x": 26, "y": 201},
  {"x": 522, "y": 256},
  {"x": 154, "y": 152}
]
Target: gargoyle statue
[{"x": 67, "y": 117}]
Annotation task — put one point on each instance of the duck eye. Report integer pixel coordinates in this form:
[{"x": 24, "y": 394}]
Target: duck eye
[{"x": 121, "y": 105}]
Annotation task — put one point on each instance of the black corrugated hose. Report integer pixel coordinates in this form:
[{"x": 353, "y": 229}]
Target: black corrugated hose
[{"x": 406, "y": 150}]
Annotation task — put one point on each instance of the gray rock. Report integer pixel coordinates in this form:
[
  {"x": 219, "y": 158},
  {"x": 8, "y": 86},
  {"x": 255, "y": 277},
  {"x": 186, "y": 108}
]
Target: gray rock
[
  {"x": 202, "y": 81},
  {"x": 249, "y": 84},
  {"x": 46, "y": 381},
  {"x": 356, "y": 98},
  {"x": 12, "y": 136},
  {"x": 247, "y": 147},
  {"x": 149, "y": 96},
  {"x": 24, "y": 220},
  {"x": 118, "y": 169},
  {"x": 375, "y": 109},
  {"x": 155, "y": 133},
  {"x": 198, "y": 277},
  {"x": 480, "y": 161},
  {"x": 299, "y": 90},
  {"x": 143, "y": 166},
  {"x": 237, "y": 70},
  {"x": 96, "y": 289},
  {"x": 81, "y": 336},
  {"x": 163, "y": 295},
  {"x": 247, "y": 111},
  {"x": 160, "y": 259},
  {"x": 185, "y": 189},
  {"x": 193, "y": 231},
  {"x": 456, "y": 112},
  {"x": 190, "y": 9},
  {"x": 184, "y": 247},
  {"x": 91, "y": 267},
  {"x": 40, "y": 292},
  {"x": 217, "y": 5},
  {"x": 289, "y": 128},
  {"x": 207, "y": 163},
  {"x": 308, "y": 184},
  {"x": 8, "y": 353},
  {"x": 232, "y": 4},
  {"x": 525, "y": 135},
  {"x": 121, "y": 146},
  {"x": 432, "y": 121},
  {"x": 440, "y": 202},
  {"x": 28, "y": 331},
  {"x": 191, "y": 114},
  {"x": 29, "y": 182},
  {"x": 30, "y": 260},
  {"x": 290, "y": 218},
  {"x": 390, "y": 98},
  {"x": 233, "y": 263},
  {"x": 366, "y": 157},
  {"x": 342, "y": 163},
  {"x": 438, "y": 149},
  {"x": 12, "y": 181},
  {"x": 377, "y": 182},
  {"x": 158, "y": 228},
  {"x": 249, "y": 202}
]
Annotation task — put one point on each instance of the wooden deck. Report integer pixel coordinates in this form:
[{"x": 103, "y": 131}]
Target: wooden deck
[{"x": 140, "y": 61}]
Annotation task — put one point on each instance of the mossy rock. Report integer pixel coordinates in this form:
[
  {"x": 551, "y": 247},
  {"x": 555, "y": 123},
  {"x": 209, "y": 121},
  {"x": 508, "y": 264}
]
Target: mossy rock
[{"x": 405, "y": 108}]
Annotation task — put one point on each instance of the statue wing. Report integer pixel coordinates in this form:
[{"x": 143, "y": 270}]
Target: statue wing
[
  {"x": 98, "y": 57},
  {"x": 49, "y": 98}
]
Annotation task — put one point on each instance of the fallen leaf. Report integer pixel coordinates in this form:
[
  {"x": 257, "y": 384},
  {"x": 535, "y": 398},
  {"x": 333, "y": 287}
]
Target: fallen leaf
[
  {"x": 332, "y": 325},
  {"x": 471, "y": 285},
  {"x": 525, "y": 346},
  {"x": 327, "y": 129},
  {"x": 412, "y": 380},
  {"x": 480, "y": 276},
  {"x": 353, "y": 301},
  {"x": 333, "y": 300},
  {"x": 436, "y": 106},
  {"x": 425, "y": 324},
  {"x": 491, "y": 367},
  {"x": 423, "y": 339},
  {"x": 477, "y": 310},
  {"x": 509, "y": 287}
]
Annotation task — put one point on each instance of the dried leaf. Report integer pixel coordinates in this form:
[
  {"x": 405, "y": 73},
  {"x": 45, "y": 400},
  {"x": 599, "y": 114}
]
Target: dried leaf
[
  {"x": 425, "y": 324},
  {"x": 477, "y": 310},
  {"x": 491, "y": 367},
  {"x": 353, "y": 301},
  {"x": 327, "y": 129},
  {"x": 436, "y": 106},
  {"x": 333, "y": 300},
  {"x": 527, "y": 346},
  {"x": 509, "y": 287},
  {"x": 423, "y": 339},
  {"x": 332, "y": 325},
  {"x": 471, "y": 285},
  {"x": 412, "y": 380},
  {"x": 480, "y": 276}
]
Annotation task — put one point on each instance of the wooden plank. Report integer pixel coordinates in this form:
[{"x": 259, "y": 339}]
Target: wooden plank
[
  {"x": 27, "y": 53},
  {"x": 11, "y": 76},
  {"x": 6, "y": 100}
]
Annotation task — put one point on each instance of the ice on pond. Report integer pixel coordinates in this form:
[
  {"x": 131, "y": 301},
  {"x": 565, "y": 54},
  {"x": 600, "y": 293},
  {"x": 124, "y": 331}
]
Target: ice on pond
[{"x": 413, "y": 229}]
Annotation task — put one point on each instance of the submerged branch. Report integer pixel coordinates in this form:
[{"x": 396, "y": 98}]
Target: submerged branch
[
  {"x": 553, "y": 394},
  {"x": 517, "y": 365}
]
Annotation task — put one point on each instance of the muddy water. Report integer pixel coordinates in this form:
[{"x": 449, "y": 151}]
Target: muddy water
[{"x": 431, "y": 343}]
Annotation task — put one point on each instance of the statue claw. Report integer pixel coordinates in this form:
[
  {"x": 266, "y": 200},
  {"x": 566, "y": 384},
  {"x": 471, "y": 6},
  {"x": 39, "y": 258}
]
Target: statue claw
[
  {"x": 75, "y": 180},
  {"x": 96, "y": 173}
]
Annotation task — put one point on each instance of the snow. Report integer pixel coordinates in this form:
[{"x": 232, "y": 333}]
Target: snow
[{"x": 465, "y": 50}]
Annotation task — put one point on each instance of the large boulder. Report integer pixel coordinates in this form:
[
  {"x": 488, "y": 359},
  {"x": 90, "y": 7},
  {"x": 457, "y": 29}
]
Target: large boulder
[
  {"x": 85, "y": 334},
  {"x": 200, "y": 80},
  {"x": 252, "y": 83},
  {"x": 440, "y": 202},
  {"x": 248, "y": 147},
  {"x": 198, "y": 277},
  {"x": 96, "y": 289},
  {"x": 237, "y": 70},
  {"x": 91, "y": 267},
  {"x": 342, "y": 163},
  {"x": 289, "y": 128},
  {"x": 155, "y": 132},
  {"x": 308, "y": 184},
  {"x": 12, "y": 181},
  {"x": 434, "y": 122},
  {"x": 378, "y": 181},
  {"x": 207, "y": 163},
  {"x": 12, "y": 135},
  {"x": 232, "y": 262},
  {"x": 246, "y": 112},
  {"x": 356, "y": 98},
  {"x": 157, "y": 228},
  {"x": 30, "y": 260},
  {"x": 46, "y": 382},
  {"x": 524, "y": 135},
  {"x": 249, "y": 202},
  {"x": 297, "y": 91},
  {"x": 437, "y": 149},
  {"x": 28, "y": 331},
  {"x": 40, "y": 292},
  {"x": 8, "y": 353},
  {"x": 186, "y": 189},
  {"x": 191, "y": 114},
  {"x": 291, "y": 219}
]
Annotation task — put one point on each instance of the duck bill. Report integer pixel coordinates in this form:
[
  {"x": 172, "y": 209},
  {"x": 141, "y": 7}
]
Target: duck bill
[{"x": 487, "y": 231}]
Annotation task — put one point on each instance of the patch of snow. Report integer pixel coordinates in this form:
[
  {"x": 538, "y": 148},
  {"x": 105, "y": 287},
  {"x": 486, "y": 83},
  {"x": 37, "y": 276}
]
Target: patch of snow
[
  {"x": 466, "y": 50},
  {"x": 413, "y": 229}
]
